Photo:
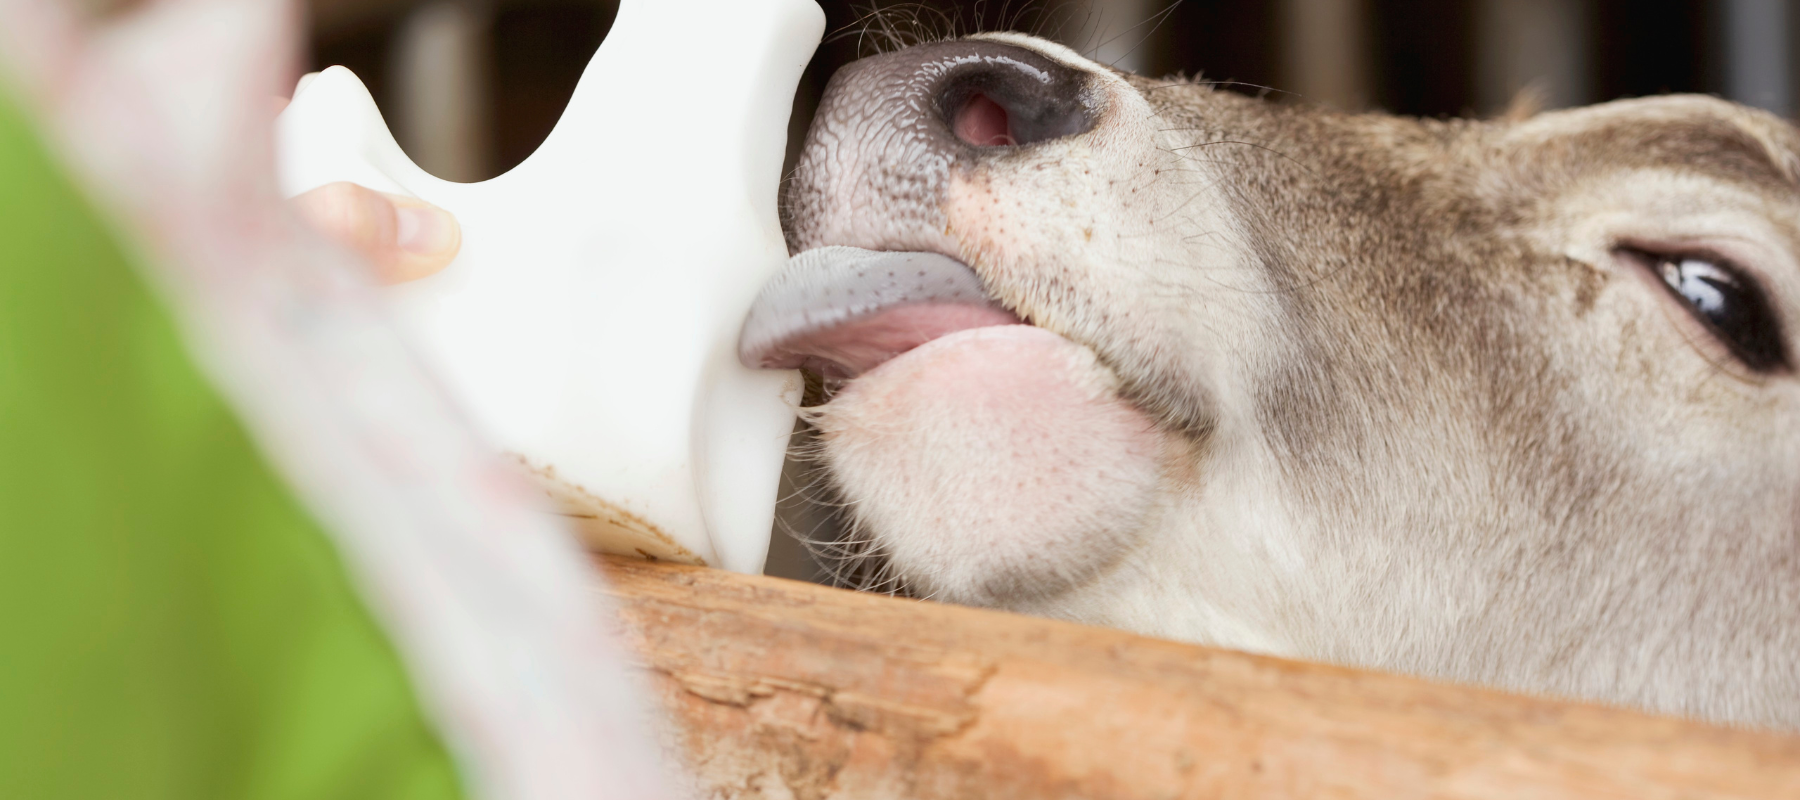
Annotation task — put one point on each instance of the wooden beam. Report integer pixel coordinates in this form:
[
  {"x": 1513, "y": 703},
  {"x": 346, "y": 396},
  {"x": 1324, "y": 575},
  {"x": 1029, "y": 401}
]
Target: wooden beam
[
  {"x": 330, "y": 17},
  {"x": 1538, "y": 45},
  {"x": 1120, "y": 33},
  {"x": 333, "y": 17},
  {"x": 1325, "y": 52},
  {"x": 780, "y": 689},
  {"x": 1758, "y": 53},
  {"x": 441, "y": 63}
]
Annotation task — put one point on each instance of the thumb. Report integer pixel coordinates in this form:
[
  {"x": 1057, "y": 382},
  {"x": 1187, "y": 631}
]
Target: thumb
[{"x": 404, "y": 237}]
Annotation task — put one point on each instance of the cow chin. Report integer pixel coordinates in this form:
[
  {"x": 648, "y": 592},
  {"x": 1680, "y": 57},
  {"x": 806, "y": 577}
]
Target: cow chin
[{"x": 993, "y": 465}]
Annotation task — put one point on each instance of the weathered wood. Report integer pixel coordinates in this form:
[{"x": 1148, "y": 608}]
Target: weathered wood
[{"x": 781, "y": 689}]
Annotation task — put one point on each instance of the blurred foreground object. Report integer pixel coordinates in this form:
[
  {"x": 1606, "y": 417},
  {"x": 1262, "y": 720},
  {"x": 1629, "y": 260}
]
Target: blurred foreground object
[
  {"x": 784, "y": 689},
  {"x": 177, "y": 621},
  {"x": 590, "y": 324},
  {"x": 173, "y": 623}
]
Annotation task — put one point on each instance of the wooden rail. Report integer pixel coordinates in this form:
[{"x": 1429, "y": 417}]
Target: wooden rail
[{"x": 780, "y": 689}]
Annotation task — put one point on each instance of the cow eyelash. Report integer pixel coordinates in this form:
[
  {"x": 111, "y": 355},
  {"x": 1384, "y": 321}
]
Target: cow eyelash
[{"x": 1724, "y": 299}]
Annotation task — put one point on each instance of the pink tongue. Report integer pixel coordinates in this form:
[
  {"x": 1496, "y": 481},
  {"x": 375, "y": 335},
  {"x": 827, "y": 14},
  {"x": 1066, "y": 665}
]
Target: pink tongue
[
  {"x": 862, "y": 344},
  {"x": 843, "y": 311}
]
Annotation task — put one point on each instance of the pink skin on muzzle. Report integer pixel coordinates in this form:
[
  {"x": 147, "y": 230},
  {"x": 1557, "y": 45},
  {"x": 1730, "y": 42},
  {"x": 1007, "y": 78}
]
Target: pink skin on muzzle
[
  {"x": 994, "y": 461},
  {"x": 985, "y": 456}
]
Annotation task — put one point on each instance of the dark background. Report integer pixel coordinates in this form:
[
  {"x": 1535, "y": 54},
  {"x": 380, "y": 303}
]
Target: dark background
[{"x": 1418, "y": 56}]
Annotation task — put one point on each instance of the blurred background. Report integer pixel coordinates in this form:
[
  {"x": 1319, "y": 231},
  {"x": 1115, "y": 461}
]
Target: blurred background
[{"x": 471, "y": 87}]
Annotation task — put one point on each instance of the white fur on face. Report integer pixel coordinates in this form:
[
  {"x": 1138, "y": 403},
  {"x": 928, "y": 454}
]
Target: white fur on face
[{"x": 994, "y": 463}]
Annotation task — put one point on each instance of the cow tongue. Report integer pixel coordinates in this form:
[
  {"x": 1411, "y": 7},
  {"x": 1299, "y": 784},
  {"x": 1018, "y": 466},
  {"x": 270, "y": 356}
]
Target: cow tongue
[{"x": 843, "y": 311}]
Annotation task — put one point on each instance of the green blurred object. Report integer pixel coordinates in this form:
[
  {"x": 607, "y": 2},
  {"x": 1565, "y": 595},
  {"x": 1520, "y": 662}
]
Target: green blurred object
[{"x": 173, "y": 624}]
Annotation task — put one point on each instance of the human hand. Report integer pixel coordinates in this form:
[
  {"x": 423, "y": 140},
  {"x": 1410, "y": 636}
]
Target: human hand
[{"x": 405, "y": 238}]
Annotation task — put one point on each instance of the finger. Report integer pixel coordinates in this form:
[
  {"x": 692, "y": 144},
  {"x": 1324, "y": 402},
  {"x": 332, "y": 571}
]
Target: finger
[{"x": 404, "y": 237}]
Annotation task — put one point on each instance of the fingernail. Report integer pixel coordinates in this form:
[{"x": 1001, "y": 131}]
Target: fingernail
[{"x": 425, "y": 231}]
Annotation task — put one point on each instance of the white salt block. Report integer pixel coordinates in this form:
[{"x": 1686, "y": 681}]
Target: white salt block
[{"x": 589, "y": 325}]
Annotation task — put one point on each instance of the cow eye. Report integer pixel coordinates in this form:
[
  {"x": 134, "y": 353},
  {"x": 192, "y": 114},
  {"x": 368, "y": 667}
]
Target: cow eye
[{"x": 1729, "y": 303}]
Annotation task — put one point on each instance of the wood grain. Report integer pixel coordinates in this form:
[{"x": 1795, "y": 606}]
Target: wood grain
[{"x": 780, "y": 689}]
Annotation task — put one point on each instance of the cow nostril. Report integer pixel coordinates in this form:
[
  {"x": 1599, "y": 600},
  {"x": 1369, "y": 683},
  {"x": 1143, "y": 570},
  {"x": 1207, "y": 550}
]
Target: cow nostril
[
  {"x": 983, "y": 123},
  {"x": 1011, "y": 97}
]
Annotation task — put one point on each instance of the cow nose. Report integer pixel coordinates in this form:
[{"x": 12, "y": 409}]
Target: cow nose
[
  {"x": 894, "y": 131},
  {"x": 987, "y": 94}
]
